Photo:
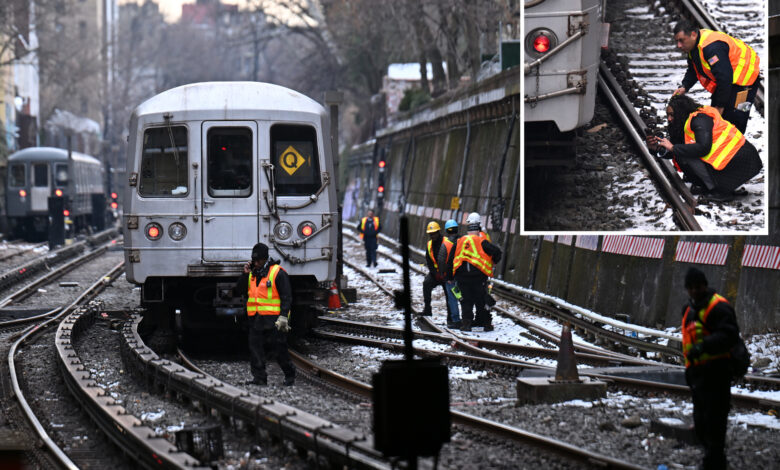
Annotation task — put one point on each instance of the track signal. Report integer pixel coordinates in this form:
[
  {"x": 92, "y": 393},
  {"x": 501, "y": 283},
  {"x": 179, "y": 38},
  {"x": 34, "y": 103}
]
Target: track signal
[
  {"x": 380, "y": 189},
  {"x": 114, "y": 200}
]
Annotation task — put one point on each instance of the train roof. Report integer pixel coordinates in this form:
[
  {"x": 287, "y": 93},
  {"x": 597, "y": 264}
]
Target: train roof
[
  {"x": 48, "y": 154},
  {"x": 232, "y": 99}
]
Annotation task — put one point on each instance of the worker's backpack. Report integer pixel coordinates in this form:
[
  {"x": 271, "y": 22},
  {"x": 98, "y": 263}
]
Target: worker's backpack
[{"x": 740, "y": 360}]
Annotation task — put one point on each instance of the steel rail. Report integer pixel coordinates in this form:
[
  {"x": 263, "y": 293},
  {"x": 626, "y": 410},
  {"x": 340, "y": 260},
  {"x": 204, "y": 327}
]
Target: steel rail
[
  {"x": 49, "y": 444},
  {"x": 27, "y": 290},
  {"x": 339, "y": 445},
  {"x": 485, "y": 425},
  {"x": 21, "y": 252},
  {"x": 683, "y": 213},
  {"x": 125, "y": 430}
]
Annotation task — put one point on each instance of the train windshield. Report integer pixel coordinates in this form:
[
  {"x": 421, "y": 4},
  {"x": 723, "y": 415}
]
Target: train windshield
[
  {"x": 295, "y": 159},
  {"x": 61, "y": 174},
  {"x": 41, "y": 175},
  {"x": 17, "y": 175},
  {"x": 229, "y": 162},
  {"x": 164, "y": 162}
]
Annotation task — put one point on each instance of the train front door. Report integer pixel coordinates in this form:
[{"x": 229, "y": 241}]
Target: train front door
[
  {"x": 40, "y": 190},
  {"x": 230, "y": 188}
]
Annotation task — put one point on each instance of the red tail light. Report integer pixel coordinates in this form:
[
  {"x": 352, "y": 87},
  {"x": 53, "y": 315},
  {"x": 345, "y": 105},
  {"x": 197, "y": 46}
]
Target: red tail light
[{"x": 541, "y": 44}]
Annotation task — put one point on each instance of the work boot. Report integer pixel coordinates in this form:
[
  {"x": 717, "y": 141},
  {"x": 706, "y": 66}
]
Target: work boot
[
  {"x": 454, "y": 325},
  {"x": 258, "y": 381},
  {"x": 427, "y": 311},
  {"x": 489, "y": 327},
  {"x": 696, "y": 190},
  {"x": 720, "y": 196},
  {"x": 289, "y": 381}
]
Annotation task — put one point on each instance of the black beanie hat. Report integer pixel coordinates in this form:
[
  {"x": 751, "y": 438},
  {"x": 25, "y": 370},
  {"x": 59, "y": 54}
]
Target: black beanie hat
[
  {"x": 259, "y": 251},
  {"x": 694, "y": 277}
]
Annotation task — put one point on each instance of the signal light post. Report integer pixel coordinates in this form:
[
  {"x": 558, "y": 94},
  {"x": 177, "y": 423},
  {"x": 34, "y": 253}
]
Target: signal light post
[{"x": 380, "y": 188}]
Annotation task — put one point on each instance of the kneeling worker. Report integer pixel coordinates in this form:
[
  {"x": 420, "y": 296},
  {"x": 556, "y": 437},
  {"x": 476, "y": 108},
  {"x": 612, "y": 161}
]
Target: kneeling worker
[{"x": 268, "y": 307}]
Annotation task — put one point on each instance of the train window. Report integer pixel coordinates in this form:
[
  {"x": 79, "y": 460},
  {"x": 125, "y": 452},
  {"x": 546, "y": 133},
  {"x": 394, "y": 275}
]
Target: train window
[
  {"x": 295, "y": 159},
  {"x": 41, "y": 175},
  {"x": 164, "y": 162},
  {"x": 229, "y": 162},
  {"x": 17, "y": 175},
  {"x": 61, "y": 174}
]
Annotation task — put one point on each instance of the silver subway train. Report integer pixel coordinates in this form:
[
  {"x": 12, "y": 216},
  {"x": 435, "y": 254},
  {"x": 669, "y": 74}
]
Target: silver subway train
[
  {"x": 214, "y": 168},
  {"x": 562, "y": 53},
  {"x": 37, "y": 173}
]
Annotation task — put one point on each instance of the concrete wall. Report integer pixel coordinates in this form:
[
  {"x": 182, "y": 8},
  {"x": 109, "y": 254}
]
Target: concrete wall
[{"x": 650, "y": 291}]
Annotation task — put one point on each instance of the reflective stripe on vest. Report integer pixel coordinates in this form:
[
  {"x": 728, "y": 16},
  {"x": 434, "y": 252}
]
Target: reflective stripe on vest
[
  {"x": 726, "y": 138},
  {"x": 448, "y": 244},
  {"x": 695, "y": 332},
  {"x": 470, "y": 250},
  {"x": 744, "y": 60},
  {"x": 262, "y": 299},
  {"x": 363, "y": 225}
]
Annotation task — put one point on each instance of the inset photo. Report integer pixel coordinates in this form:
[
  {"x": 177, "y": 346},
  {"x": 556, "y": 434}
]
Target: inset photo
[{"x": 645, "y": 117}]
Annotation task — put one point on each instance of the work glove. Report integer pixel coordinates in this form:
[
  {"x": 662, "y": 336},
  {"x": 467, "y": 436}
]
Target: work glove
[
  {"x": 282, "y": 324},
  {"x": 695, "y": 351}
]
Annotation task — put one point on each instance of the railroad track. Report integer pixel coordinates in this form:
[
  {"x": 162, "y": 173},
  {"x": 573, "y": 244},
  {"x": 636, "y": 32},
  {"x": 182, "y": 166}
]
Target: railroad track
[
  {"x": 19, "y": 252},
  {"x": 332, "y": 443},
  {"x": 480, "y": 350},
  {"x": 504, "y": 431},
  {"x": 49, "y": 452}
]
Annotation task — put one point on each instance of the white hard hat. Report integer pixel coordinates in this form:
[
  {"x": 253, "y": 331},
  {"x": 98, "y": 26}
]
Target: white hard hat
[{"x": 473, "y": 218}]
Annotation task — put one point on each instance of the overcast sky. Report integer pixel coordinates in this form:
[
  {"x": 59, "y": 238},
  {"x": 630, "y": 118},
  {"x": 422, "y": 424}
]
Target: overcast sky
[{"x": 171, "y": 9}]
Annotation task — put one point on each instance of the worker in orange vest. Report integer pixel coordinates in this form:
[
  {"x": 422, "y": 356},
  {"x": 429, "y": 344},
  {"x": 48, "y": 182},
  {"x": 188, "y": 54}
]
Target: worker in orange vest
[
  {"x": 269, "y": 299},
  {"x": 727, "y": 67},
  {"x": 472, "y": 268},
  {"x": 369, "y": 227},
  {"x": 437, "y": 250},
  {"x": 709, "y": 329},
  {"x": 710, "y": 151}
]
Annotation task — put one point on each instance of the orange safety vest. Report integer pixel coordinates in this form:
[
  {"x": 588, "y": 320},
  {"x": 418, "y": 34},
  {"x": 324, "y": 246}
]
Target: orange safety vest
[
  {"x": 447, "y": 244},
  {"x": 726, "y": 138},
  {"x": 470, "y": 250},
  {"x": 695, "y": 332},
  {"x": 264, "y": 298},
  {"x": 485, "y": 236},
  {"x": 744, "y": 60},
  {"x": 363, "y": 225}
]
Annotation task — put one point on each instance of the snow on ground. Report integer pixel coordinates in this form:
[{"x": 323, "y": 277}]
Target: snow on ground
[{"x": 744, "y": 20}]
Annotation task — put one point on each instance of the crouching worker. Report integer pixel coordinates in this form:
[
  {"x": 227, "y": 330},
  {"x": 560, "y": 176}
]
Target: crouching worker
[
  {"x": 269, "y": 298},
  {"x": 711, "y": 152}
]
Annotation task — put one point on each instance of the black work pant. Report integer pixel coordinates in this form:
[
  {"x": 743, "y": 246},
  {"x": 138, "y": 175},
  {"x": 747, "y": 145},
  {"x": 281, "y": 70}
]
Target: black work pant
[
  {"x": 264, "y": 340},
  {"x": 371, "y": 245},
  {"x": 429, "y": 283},
  {"x": 735, "y": 116},
  {"x": 711, "y": 390},
  {"x": 473, "y": 295}
]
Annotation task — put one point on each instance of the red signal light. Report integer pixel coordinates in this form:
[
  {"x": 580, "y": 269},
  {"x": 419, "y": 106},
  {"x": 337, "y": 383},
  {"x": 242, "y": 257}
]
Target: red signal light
[
  {"x": 22, "y": 193},
  {"x": 58, "y": 192},
  {"x": 114, "y": 196},
  {"x": 306, "y": 230},
  {"x": 66, "y": 212},
  {"x": 381, "y": 164},
  {"x": 114, "y": 205},
  {"x": 541, "y": 44},
  {"x": 154, "y": 232},
  {"x": 224, "y": 148},
  {"x": 381, "y": 189}
]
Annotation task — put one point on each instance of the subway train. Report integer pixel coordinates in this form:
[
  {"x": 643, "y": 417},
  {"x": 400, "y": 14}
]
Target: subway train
[
  {"x": 562, "y": 52},
  {"x": 214, "y": 168},
  {"x": 37, "y": 173}
]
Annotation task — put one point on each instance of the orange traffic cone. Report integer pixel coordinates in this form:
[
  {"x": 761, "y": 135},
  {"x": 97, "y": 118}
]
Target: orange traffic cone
[
  {"x": 566, "y": 371},
  {"x": 334, "y": 302}
]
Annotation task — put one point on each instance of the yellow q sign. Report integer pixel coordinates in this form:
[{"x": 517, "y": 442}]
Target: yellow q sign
[{"x": 291, "y": 160}]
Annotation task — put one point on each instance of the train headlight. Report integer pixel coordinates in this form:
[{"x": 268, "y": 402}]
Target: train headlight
[
  {"x": 177, "y": 231},
  {"x": 153, "y": 231},
  {"x": 540, "y": 41},
  {"x": 283, "y": 231},
  {"x": 306, "y": 229}
]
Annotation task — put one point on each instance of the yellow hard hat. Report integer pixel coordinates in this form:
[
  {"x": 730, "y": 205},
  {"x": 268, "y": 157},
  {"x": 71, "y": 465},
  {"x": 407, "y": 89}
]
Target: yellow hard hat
[{"x": 433, "y": 227}]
